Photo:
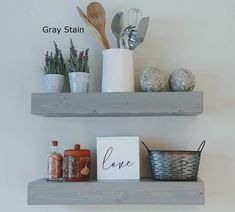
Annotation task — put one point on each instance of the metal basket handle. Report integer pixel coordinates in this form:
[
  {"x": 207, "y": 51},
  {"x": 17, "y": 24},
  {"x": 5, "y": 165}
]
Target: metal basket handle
[
  {"x": 145, "y": 146},
  {"x": 202, "y": 145}
]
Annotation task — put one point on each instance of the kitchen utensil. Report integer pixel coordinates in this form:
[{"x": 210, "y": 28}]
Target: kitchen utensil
[
  {"x": 141, "y": 32},
  {"x": 92, "y": 29},
  {"x": 175, "y": 165},
  {"x": 117, "y": 26},
  {"x": 97, "y": 17},
  {"x": 131, "y": 39},
  {"x": 134, "y": 15},
  {"x": 126, "y": 36}
]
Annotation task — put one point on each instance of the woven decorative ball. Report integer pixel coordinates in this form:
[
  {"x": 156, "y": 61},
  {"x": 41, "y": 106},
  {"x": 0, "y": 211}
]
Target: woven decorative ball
[
  {"x": 152, "y": 80},
  {"x": 182, "y": 80}
]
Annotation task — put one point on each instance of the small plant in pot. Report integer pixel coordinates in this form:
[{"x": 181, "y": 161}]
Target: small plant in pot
[
  {"x": 78, "y": 70},
  {"x": 54, "y": 71}
]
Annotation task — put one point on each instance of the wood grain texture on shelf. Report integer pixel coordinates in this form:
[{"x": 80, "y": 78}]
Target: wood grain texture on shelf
[
  {"x": 117, "y": 104},
  {"x": 145, "y": 191}
]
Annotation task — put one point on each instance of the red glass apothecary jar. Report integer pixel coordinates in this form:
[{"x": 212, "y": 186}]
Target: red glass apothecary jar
[{"x": 76, "y": 164}]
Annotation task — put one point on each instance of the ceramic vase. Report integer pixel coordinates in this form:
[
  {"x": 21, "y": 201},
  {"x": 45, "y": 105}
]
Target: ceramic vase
[
  {"x": 118, "y": 71},
  {"x": 54, "y": 83},
  {"x": 79, "y": 82}
]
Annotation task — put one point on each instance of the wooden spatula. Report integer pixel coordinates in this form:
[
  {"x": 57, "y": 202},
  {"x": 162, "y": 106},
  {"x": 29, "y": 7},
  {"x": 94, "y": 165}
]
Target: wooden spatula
[{"x": 93, "y": 30}]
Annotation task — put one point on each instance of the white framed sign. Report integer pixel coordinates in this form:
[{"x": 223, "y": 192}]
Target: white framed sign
[{"x": 118, "y": 158}]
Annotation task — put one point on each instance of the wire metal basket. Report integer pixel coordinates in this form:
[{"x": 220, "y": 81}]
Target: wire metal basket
[{"x": 175, "y": 165}]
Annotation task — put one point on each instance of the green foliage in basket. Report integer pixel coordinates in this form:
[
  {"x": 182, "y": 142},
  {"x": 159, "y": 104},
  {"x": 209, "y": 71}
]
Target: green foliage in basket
[
  {"x": 54, "y": 63},
  {"x": 77, "y": 62}
]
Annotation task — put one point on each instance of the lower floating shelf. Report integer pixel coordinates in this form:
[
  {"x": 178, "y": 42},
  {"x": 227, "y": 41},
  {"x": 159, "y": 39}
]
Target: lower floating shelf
[{"x": 145, "y": 191}]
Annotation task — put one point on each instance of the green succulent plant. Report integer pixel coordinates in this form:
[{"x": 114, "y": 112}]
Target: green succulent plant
[
  {"x": 54, "y": 63},
  {"x": 77, "y": 62}
]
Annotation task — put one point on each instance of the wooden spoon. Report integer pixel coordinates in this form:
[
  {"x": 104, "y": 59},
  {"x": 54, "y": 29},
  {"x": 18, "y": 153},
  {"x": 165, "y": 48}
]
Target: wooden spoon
[
  {"x": 93, "y": 30},
  {"x": 97, "y": 17}
]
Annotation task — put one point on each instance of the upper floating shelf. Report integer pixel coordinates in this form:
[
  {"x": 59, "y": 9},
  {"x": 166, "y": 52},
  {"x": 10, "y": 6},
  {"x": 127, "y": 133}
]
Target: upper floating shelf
[{"x": 117, "y": 104}]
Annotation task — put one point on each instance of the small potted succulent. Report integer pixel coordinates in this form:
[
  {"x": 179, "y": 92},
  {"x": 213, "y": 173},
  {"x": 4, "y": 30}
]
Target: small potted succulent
[
  {"x": 78, "y": 70},
  {"x": 54, "y": 71}
]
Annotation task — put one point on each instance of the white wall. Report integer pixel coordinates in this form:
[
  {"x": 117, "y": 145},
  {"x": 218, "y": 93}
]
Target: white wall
[{"x": 196, "y": 34}]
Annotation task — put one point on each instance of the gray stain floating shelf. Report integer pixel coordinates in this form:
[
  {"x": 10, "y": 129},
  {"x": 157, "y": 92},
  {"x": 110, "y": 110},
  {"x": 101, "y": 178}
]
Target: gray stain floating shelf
[
  {"x": 117, "y": 104},
  {"x": 147, "y": 191}
]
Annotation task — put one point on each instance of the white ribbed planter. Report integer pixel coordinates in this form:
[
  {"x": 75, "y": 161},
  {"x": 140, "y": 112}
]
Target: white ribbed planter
[
  {"x": 118, "y": 71},
  {"x": 79, "y": 82},
  {"x": 54, "y": 83}
]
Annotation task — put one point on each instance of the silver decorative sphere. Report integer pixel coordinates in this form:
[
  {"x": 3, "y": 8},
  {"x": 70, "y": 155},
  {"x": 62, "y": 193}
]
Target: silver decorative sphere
[
  {"x": 182, "y": 80},
  {"x": 152, "y": 80}
]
